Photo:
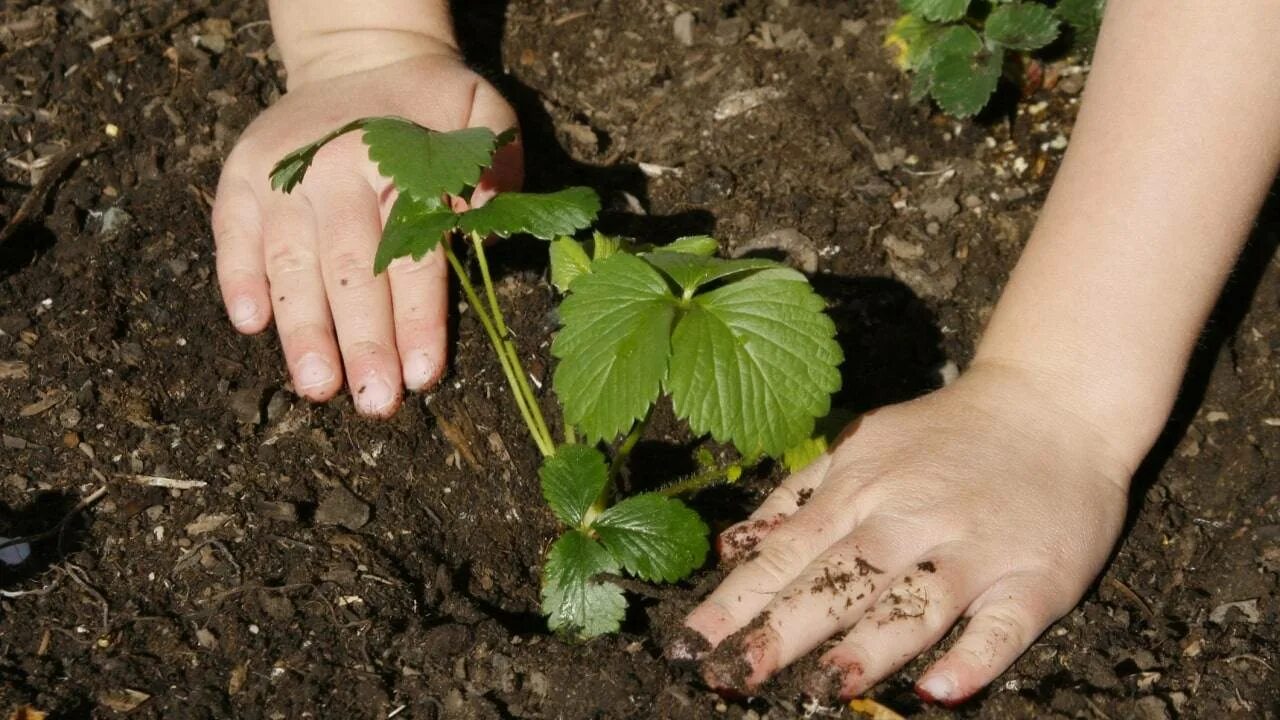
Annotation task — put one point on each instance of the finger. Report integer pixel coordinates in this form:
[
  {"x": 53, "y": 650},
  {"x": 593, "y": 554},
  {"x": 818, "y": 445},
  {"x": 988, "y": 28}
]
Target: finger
[
  {"x": 912, "y": 615},
  {"x": 1004, "y": 623},
  {"x": 506, "y": 173},
  {"x": 298, "y": 299},
  {"x": 419, "y": 301},
  {"x": 780, "y": 557},
  {"x": 347, "y": 212},
  {"x": 242, "y": 272},
  {"x": 740, "y": 541},
  {"x": 828, "y": 596}
]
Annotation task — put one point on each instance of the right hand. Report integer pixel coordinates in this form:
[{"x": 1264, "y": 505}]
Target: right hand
[{"x": 306, "y": 258}]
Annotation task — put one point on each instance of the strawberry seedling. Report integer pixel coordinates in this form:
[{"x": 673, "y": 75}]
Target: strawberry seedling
[
  {"x": 742, "y": 348},
  {"x": 959, "y": 49}
]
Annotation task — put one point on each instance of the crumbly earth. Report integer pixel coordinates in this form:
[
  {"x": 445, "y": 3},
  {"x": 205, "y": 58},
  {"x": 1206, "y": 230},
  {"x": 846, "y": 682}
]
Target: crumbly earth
[{"x": 314, "y": 564}]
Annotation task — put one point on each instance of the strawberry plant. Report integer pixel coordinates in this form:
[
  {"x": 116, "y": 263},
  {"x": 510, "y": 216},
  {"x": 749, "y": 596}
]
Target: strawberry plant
[
  {"x": 959, "y": 49},
  {"x": 742, "y": 348}
]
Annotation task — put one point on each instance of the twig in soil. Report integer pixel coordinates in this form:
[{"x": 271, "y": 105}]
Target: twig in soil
[
  {"x": 92, "y": 498},
  {"x": 1250, "y": 658},
  {"x": 194, "y": 552},
  {"x": 10, "y": 594},
  {"x": 40, "y": 192},
  {"x": 1133, "y": 597},
  {"x": 160, "y": 29},
  {"x": 81, "y": 578},
  {"x": 164, "y": 482}
]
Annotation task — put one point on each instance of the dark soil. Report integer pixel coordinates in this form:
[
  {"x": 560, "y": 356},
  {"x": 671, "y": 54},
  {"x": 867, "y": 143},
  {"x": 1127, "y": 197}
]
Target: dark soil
[{"x": 328, "y": 566}]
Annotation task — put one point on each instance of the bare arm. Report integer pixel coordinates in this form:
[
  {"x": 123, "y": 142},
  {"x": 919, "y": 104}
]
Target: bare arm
[
  {"x": 1177, "y": 143},
  {"x": 998, "y": 498}
]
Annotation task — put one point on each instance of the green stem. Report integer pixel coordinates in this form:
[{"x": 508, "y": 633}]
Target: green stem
[
  {"x": 545, "y": 446},
  {"x": 615, "y": 467},
  {"x": 698, "y": 482},
  {"x": 507, "y": 347}
]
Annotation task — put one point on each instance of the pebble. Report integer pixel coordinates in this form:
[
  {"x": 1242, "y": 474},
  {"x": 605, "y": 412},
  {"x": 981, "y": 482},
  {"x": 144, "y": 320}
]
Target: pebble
[
  {"x": 1247, "y": 611},
  {"x": 14, "y": 555},
  {"x": 278, "y": 405},
  {"x": 343, "y": 508},
  {"x": 902, "y": 249},
  {"x": 683, "y": 27},
  {"x": 1150, "y": 708},
  {"x": 743, "y": 101},
  {"x": 941, "y": 208},
  {"x": 278, "y": 510},
  {"x": 246, "y": 405}
]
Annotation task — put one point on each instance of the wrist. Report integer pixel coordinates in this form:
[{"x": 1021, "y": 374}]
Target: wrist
[
  {"x": 323, "y": 39},
  {"x": 1081, "y": 405}
]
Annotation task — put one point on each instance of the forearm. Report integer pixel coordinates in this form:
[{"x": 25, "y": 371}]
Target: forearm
[
  {"x": 321, "y": 38},
  {"x": 1175, "y": 147}
]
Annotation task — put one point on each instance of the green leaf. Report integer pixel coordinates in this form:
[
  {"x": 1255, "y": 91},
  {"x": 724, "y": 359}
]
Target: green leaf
[
  {"x": 1084, "y": 17},
  {"x": 425, "y": 163},
  {"x": 568, "y": 261},
  {"x": 289, "y": 171},
  {"x": 799, "y": 456},
  {"x": 574, "y": 602},
  {"x": 957, "y": 41},
  {"x": 936, "y": 10},
  {"x": 703, "y": 245},
  {"x": 413, "y": 228},
  {"x": 1022, "y": 26},
  {"x": 572, "y": 480},
  {"x": 545, "y": 215},
  {"x": 602, "y": 246},
  {"x": 614, "y": 345},
  {"x": 656, "y": 538},
  {"x": 693, "y": 271},
  {"x": 910, "y": 38},
  {"x": 962, "y": 86},
  {"x": 755, "y": 361}
]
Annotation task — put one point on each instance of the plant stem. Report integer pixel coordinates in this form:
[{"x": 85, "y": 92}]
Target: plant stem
[
  {"x": 545, "y": 446},
  {"x": 698, "y": 482},
  {"x": 538, "y": 426},
  {"x": 615, "y": 467}
]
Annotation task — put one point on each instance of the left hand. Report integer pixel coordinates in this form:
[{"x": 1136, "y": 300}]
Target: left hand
[{"x": 988, "y": 500}]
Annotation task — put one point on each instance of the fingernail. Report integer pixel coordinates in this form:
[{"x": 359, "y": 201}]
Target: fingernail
[
  {"x": 826, "y": 684},
  {"x": 244, "y": 312},
  {"x": 419, "y": 370},
  {"x": 313, "y": 372},
  {"x": 375, "y": 396},
  {"x": 938, "y": 689},
  {"x": 688, "y": 646}
]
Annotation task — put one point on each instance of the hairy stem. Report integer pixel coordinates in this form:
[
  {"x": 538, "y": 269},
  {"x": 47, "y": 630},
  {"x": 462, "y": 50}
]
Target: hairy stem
[
  {"x": 615, "y": 467},
  {"x": 698, "y": 482},
  {"x": 513, "y": 374}
]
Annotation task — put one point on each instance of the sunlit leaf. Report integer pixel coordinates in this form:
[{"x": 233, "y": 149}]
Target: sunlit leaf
[
  {"x": 655, "y": 538},
  {"x": 414, "y": 229},
  {"x": 545, "y": 216},
  {"x": 575, "y": 603},
  {"x": 572, "y": 479}
]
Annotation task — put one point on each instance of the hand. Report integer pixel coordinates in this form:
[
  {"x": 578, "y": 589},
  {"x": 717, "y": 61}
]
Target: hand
[
  {"x": 986, "y": 500},
  {"x": 307, "y": 258}
]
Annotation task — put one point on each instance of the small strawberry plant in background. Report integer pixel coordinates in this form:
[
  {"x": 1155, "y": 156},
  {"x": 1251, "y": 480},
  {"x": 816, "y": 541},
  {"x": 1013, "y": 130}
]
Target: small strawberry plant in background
[
  {"x": 957, "y": 50},
  {"x": 742, "y": 348}
]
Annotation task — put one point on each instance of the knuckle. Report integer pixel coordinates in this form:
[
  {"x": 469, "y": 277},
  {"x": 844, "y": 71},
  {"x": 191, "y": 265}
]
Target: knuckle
[
  {"x": 1007, "y": 627},
  {"x": 351, "y": 265},
  {"x": 289, "y": 259},
  {"x": 776, "y": 564}
]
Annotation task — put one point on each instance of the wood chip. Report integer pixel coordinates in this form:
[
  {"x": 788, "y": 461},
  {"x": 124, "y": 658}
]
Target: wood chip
[
  {"x": 872, "y": 709},
  {"x": 164, "y": 482},
  {"x": 14, "y": 370},
  {"x": 123, "y": 700},
  {"x": 44, "y": 404}
]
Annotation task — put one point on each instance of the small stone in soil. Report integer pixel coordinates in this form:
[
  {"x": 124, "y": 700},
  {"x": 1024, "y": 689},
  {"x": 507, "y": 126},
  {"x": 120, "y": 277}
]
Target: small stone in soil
[
  {"x": 683, "y": 27},
  {"x": 343, "y": 508},
  {"x": 277, "y": 405},
  {"x": 246, "y": 405},
  {"x": 284, "y": 511}
]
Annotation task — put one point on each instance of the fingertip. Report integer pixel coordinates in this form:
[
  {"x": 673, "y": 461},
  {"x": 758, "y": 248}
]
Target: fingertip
[
  {"x": 315, "y": 377},
  {"x": 421, "y": 369},
  {"x": 249, "y": 315},
  {"x": 738, "y": 542},
  {"x": 939, "y": 688},
  {"x": 376, "y": 396}
]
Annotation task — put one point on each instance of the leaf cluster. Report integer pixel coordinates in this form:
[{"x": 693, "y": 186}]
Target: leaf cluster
[
  {"x": 430, "y": 168},
  {"x": 650, "y": 536},
  {"x": 742, "y": 347},
  {"x": 957, "y": 49}
]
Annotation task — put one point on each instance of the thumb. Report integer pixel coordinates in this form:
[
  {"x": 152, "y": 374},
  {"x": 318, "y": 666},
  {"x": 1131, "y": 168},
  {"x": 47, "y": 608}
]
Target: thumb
[{"x": 491, "y": 110}]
